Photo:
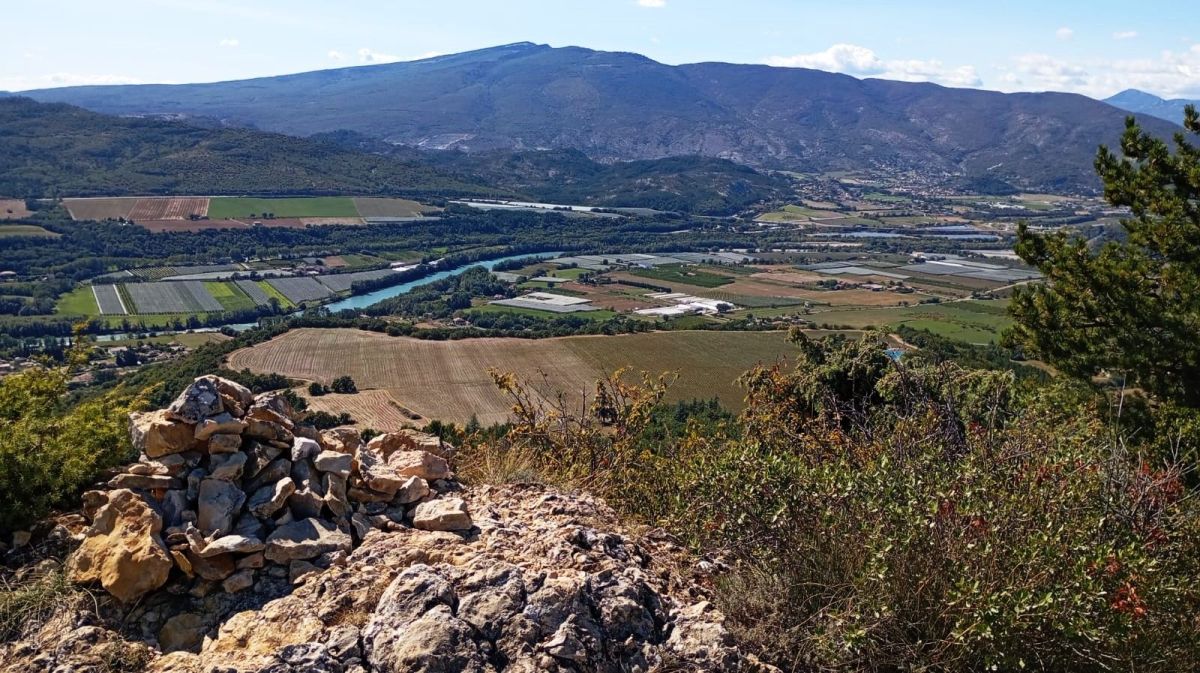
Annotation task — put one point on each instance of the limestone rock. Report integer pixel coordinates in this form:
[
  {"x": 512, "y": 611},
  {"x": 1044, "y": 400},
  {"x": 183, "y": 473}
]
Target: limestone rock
[
  {"x": 122, "y": 550},
  {"x": 341, "y": 440},
  {"x": 447, "y": 514},
  {"x": 305, "y": 539},
  {"x": 270, "y": 498},
  {"x": 218, "y": 444},
  {"x": 145, "y": 482},
  {"x": 232, "y": 390},
  {"x": 182, "y": 632},
  {"x": 387, "y": 472},
  {"x": 412, "y": 490},
  {"x": 304, "y": 448},
  {"x": 335, "y": 462},
  {"x": 217, "y": 505},
  {"x": 227, "y": 466},
  {"x": 223, "y": 423},
  {"x": 231, "y": 544},
  {"x": 156, "y": 434},
  {"x": 197, "y": 402},
  {"x": 239, "y": 581}
]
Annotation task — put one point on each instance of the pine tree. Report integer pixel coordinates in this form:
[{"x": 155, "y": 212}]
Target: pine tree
[{"x": 1132, "y": 307}]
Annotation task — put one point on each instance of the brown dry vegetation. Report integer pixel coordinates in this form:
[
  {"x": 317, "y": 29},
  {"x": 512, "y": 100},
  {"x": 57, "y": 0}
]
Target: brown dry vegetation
[
  {"x": 100, "y": 209},
  {"x": 449, "y": 380}
]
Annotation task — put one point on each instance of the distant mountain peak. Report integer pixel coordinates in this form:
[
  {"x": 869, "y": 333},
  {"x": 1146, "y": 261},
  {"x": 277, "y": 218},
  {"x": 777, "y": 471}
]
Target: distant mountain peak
[{"x": 1141, "y": 102}]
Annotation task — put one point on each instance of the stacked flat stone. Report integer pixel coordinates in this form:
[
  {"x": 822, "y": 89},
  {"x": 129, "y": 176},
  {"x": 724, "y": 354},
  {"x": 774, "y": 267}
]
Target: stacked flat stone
[{"x": 230, "y": 484}]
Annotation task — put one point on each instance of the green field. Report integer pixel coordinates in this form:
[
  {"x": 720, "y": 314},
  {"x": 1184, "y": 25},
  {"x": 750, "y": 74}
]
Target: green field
[
  {"x": 284, "y": 302},
  {"x": 14, "y": 230},
  {"x": 231, "y": 296},
  {"x": 320, "y": 206},
  {"x": 674, "y": 273},
  {"x": 79, "y": 301},
  {"x": 978, "y": 322}
]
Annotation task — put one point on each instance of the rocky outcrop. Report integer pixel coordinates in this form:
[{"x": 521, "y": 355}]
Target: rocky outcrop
[
  {"x": 425, "y": 576},
  {"x": 122, "y": 550}
]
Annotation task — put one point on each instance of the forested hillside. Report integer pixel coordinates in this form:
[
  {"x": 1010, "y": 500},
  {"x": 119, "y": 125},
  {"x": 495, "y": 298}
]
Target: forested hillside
[{"x": 56, "y": 149}]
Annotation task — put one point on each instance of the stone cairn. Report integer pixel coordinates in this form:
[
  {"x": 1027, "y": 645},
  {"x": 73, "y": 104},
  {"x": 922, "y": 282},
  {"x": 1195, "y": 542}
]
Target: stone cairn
[{"x": 230, "y": 485}]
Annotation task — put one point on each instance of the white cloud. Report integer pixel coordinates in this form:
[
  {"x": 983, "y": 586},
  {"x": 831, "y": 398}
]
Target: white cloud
[
  {"x": 229, "y": 42},
  {"x": 852, "y": 59},
  {"x": 1125, "y": 35},
  {"x": 652, "y": 4},
  {"x": 335, "y": 55},
  {"x": 371, "y": 56},
  {"x": 366, "y": 55},
  {"x": 1173, "y": 74},
  {"x": 57, "y": 79},
  {"x": 1064, "y": 33}
]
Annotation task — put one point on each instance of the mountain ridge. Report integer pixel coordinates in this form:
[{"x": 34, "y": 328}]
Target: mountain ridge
[
  {"x": 1142, "y": 102},
  {"x": 619, "y": 106}
]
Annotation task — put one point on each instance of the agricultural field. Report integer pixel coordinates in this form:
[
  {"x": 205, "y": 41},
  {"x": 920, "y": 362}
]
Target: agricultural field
[
  {"x": 254, "y": 291},
  {"x": 973, "y": 321},
  {"x": 13, "y": 209},
  {"x": 170, "y": 297},
  {"x": 374, "y": 409},
  {"x": 80, "y": 301},
  {"x": 341, "y": 282},
  {"x": 300, "y": 289},
  {"x": 449, "y": 380},
  {"x": 232, "y": 208},
  {"x": 100, "y": 208},
  {"x": 15, "y": 230},
  {"x": 368, "y": 206},
  {"x": 690, "y": 275},
  {"x": 169, "y": 208},
  {"x": 229, "y": 295},
  {"x": 108, "y": 299}
]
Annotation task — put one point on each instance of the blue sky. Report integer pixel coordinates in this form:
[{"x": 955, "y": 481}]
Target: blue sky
[{"x": 1095, "y": 48}]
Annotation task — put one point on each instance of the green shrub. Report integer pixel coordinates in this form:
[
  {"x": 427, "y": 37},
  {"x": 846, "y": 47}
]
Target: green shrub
[
  {"x": 881, "y": 516},
  {"x": 50, "y": 451}
]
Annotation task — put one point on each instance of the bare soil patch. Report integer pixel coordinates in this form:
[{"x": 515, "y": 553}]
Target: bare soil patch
[
  {"x": 13, "y": 209},
  {"x": 100, "y": 209}
]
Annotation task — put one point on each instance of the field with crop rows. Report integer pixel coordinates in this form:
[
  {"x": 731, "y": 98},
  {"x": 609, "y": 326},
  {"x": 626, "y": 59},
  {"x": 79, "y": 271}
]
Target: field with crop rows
[
  {"x": 373, "y": 409},
  {"x": 254, "y": 291},
  {"x": 341, "y": 282},
  {"x": 108, "y": 300},
  {"x": 230, "y": 296},
  {"x": 300, "y": 289},
  {"x": 448, "y": 380}
]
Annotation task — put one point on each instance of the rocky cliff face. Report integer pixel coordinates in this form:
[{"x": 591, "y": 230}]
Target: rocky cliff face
[{"x": 402, "y": 578}]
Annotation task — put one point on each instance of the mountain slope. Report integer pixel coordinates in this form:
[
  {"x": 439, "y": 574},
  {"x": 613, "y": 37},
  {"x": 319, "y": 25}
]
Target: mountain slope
[
  {"x": 1140, "y": 102},
  {"x": 621, "y": 106},
  {"x": 687, "y": 184},
  {"x": 64, "y": 150}
]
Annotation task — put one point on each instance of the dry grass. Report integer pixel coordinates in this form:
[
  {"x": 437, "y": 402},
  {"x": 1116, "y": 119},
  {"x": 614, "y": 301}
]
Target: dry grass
[
  {"x": 375, "y": 409},
  {"x": 449, "y": 381},
  {"x": 384, "y": 207}
]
